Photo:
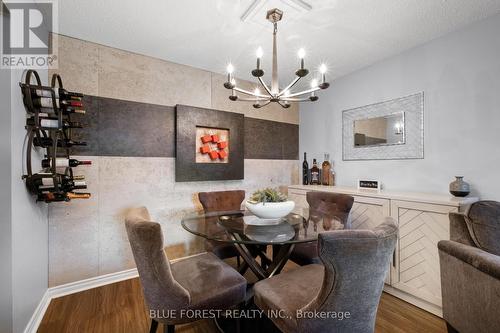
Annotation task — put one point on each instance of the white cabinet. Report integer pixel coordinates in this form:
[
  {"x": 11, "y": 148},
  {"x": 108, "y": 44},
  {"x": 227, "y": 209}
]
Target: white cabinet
[
  {"x": 421, "y": 227},
  {"x": 367, "y": 213},
  {"x": 423, "y": 221}
]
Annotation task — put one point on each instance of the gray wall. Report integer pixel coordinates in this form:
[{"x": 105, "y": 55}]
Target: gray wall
[
  {"x": 460, "y": 75},
  {"x": 5, "y": 206},
  {"x": 29, "y": 223}
]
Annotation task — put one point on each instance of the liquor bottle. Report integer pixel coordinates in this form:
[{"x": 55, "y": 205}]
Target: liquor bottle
[
  {"x": 325, "y": 168},
  {"x": 53, "y": 123},
  {"x": 64, "y": 162},
  {"x": 64, "y": 143},
  {"x": 305, "y": 171},
  {"x": 64, "y": 196},
  {"x": 315, "y": 173},
  {"x": 59, "y": 93},
  {"x": 332, "y": 176},
  {"x": 43, "y": 102}
]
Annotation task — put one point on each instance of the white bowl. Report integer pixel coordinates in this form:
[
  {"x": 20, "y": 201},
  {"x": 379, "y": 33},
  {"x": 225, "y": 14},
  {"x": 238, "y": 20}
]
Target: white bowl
[{"x": 270, "y": 210}]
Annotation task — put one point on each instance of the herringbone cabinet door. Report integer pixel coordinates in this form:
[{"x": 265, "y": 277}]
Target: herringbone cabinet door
[
  {"x": 367, "y": 213},
  {"x": 421, "y": 227}
]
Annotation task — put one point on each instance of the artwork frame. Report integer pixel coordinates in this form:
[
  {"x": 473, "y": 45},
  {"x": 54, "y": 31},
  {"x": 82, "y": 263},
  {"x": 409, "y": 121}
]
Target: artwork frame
[{"x": 188, "y": 119}]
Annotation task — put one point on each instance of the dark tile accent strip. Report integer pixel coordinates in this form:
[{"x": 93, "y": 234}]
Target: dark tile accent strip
[
  {"x": 272, "y": 140},
  {"x": 125, "y": 128}
]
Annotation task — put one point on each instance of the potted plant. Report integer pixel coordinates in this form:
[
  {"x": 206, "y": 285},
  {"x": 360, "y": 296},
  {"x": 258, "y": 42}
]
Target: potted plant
[{"x": 269, "y": 203}]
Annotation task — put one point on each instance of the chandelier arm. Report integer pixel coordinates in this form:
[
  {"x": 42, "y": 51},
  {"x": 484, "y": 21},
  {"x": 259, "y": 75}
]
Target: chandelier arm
[
  {"x": 266, "y": 103},
  {"x": 265, "y": 86},
  {"x": 286, "y": 99},
  {"x": 304, "y": 92},
  {"x": 243, "y": 99},
  {"x": 283, "y": 105},
  {"x": 297, "y": 78},
  {"x": 246, "y": 92}
]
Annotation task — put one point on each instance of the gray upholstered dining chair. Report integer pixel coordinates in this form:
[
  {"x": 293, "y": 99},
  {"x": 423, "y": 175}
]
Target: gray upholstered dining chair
[
  {"x": 221, "y": 201},
  {"x": 198, "y": 282},
  {"x": 346, "y": 289},
  {"x": 470, "y": 270},
  {"x": 325, "y": 205}
]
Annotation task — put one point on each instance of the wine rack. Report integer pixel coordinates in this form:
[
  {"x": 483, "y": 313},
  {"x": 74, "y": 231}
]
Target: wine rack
[{"x": 49, "y": 124}]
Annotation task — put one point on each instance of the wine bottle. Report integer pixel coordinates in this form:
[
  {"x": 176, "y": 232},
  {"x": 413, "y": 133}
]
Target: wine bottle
[
  {"x": 59, "y": 93},
  {"x": 44, "y": 102},
  {"x": 64, "y": 143},
  {"x": 64, "y": 162},
  {"x": 315, "y": 173},
  {"x": 53, "y": 123},
  {"x": 45, "y": 181},
  {"x": 64, "y": 110},
  {"x": 325, "y": 168},
  {"x": 305, "y": 170},
  {"x": 58, "y": 196}
]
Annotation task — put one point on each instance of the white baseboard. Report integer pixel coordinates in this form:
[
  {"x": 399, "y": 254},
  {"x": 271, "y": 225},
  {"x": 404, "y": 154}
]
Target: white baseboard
[
  {"x": 77, "y": 286},
  {"x": 37, "y": 316},
  {"x": 71, "y": 288},
  {"x": 93, "y": 282}
]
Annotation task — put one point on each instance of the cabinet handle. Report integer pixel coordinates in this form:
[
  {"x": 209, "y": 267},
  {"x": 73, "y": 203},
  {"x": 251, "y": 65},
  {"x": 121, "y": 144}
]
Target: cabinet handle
[{"x": 394, "y": 259}]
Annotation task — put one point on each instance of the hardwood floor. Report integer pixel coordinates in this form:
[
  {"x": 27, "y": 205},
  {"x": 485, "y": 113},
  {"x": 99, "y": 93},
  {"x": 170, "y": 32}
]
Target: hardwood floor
[{"x": 120, "y": 308}]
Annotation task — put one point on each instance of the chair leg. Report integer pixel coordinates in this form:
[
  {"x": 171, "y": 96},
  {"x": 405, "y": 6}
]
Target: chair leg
[
  {"x": 169, "y": 329},
  {"x": 154, "y": 326},
  {"x": 238, "y": 261},
  {"x": 450, "y": 328}
]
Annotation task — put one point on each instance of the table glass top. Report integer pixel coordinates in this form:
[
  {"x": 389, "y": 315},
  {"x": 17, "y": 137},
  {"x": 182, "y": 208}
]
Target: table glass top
[{"x": 244, "y": 227}]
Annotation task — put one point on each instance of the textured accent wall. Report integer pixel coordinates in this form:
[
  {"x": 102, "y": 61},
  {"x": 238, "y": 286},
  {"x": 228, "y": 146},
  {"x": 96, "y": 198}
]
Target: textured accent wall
[{"x": 128, "y": 95}]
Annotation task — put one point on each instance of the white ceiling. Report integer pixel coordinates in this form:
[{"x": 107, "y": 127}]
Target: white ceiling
[{"x": 346, "y": 34}]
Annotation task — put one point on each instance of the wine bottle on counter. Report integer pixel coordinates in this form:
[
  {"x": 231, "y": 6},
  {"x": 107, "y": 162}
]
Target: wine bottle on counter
[
  {"x": 325, "y": 168},
  {"x": 305, "y": 171},
  {"x": 315, "y": 173},
  {"x": 65, "y": 196},
  {"x": 53, "y": 123},
  {"x": 59, "y": 93},
  {"x": 64, "y": 162},
  {"x": 332, "y": 176},
  {"x": 44, "y": 102},
  {"x": 64, "y": 143}
]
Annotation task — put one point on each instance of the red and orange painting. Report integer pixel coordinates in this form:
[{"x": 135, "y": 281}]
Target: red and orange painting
[{"x": 212, "y": 145}]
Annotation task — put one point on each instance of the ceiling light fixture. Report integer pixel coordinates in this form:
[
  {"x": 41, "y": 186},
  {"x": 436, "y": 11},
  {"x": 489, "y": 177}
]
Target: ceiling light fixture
[{"x": 273, "y": 93}]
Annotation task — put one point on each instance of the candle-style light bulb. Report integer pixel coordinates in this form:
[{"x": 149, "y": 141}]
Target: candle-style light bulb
[
  {"x": 259, "y": 54},
  {"x": 322, "y": 70},
  {"x": 301, "y": 54},
  {"x": 314, "y": 83},
  {"x": 256, "y": 92},
  {"x": 230, "y": 70}
]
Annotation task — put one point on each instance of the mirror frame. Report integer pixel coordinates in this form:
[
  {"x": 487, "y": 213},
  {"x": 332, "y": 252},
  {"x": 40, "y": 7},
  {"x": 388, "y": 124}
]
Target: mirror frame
[{"x": 413, "y": 108}]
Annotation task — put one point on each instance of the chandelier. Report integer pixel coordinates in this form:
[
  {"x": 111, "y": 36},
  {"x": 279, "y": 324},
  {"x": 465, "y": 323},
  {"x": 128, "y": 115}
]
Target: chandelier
[{"x": 274, "y": 94}]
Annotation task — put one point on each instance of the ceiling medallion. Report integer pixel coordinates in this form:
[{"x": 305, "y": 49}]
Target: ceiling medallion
[{"x": 274, "y": 94}]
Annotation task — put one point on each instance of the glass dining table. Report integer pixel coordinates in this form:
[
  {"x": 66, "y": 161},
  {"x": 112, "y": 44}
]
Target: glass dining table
[{"x": 251, "y": 235}]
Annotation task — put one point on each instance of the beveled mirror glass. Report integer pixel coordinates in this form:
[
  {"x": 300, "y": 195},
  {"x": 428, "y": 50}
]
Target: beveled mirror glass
[{"x": 380, "y": 131}]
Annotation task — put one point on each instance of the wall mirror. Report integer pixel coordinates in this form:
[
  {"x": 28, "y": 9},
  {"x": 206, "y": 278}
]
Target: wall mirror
[
  {"x": 387, "y": 130},
  {"x": 380, "y": 131}
]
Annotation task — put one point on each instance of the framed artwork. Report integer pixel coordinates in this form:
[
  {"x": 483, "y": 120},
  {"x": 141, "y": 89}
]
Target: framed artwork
[{"x": 209, "y": 144}]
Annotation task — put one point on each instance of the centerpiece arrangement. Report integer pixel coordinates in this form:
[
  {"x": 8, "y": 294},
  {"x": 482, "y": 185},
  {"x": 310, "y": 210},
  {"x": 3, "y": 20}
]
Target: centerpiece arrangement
[{"x": 269, "y": 203}]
